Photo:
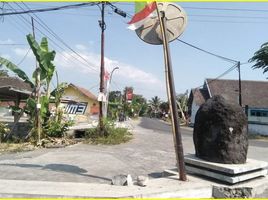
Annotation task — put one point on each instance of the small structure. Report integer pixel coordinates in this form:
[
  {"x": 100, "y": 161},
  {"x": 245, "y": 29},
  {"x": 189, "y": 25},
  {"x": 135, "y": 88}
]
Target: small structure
[
  {"x": 221, "y": 144},
  {"x": 12, "y": 91},
  {"x": 79, "y": 103},
  {"x": 254, "y": 100}
]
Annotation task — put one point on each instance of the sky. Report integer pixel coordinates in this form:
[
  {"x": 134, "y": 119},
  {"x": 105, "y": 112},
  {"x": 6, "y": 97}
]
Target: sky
[{"x": 233, "y": 30}]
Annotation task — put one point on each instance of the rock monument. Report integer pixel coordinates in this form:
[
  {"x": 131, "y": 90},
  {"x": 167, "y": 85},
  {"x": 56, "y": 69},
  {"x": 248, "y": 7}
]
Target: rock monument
[{"x": 220, "y": 132}]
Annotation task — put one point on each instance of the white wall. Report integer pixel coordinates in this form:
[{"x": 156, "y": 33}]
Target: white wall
[
  {"x": 194, "y": 110},
  {"x": 261, "y": 129}
]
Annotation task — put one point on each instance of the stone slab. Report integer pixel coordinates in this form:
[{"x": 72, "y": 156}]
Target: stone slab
[
  {"x": 232, "y": 169},
  {"x": 230, "y": 173},
  {"x": 225, "y": 178}
]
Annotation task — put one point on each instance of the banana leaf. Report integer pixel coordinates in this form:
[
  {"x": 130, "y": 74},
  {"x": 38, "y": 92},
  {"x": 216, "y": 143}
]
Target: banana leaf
[{"x": 11, "y": 66}]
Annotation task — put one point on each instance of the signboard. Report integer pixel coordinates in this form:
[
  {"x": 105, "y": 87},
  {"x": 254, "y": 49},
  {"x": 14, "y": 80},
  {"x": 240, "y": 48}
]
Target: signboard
[
  {"x": 76, "y": 108},
  {"x": 129, "y": 94}
]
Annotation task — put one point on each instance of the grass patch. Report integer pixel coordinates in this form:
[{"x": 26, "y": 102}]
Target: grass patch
[
  {"x": 112, "y": 135},
  {"x": 16, "y": 147}
]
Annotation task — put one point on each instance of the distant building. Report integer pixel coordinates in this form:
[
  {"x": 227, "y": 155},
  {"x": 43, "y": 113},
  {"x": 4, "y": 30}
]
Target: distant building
[
  {"x": 254, "y": 100},
  {"x": 79, "y": 102},
  {"x": 12, "y": 92}
]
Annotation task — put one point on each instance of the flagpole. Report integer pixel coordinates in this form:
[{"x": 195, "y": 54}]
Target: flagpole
[{"x": 172, "y": 98}]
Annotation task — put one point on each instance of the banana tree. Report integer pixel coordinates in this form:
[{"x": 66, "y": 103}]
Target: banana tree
[
  {"x": 46, "y": 70},
  {"x": 44, "y": 58}
]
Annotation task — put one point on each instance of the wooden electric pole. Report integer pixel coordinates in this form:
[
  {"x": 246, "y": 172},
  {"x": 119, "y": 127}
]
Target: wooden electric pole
[
  {"x": 239, "y": 82},
  {"x": 103, "y": 27},
  {"x": 37, "y": 95}
]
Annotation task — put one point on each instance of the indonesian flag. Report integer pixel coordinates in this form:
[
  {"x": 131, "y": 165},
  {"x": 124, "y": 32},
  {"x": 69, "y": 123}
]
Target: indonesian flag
[
  {"x": 106, "y": 75},
  {"x": 143, "y": 10}
]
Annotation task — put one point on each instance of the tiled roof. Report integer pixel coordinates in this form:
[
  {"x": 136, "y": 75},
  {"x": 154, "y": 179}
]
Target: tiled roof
[
  {"x": 85, "y": 92},
  {"x": 10, "y": 86},
  {"x": 254, "y": 93},
  {"x": 199, "y": 95}
]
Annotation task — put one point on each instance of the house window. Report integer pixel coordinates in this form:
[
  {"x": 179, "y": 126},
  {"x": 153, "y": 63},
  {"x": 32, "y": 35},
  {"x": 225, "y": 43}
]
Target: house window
[
  {"x": 259, "y": 113},
  {"x": 265, "y": 114},
  {"x": 253, "y": 113}
]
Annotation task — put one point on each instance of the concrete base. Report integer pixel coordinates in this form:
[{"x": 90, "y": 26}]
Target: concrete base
[
  {"x": 229, "y": 173},
  {"x": 169, "y": 187}
]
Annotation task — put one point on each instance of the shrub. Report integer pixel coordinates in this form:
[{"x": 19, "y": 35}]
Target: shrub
[
  {"x": 57, "y": 126},
  {"x": 57, "y": 129},
  {"x": 111, "y": 135},
  {"x": 3, "y": 131}
]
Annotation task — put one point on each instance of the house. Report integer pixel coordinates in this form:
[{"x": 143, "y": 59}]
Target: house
[
  {"x": 79, "y": 102},
  {"x": 254, "y": 100},
  {"x": 12, "y": 92}
]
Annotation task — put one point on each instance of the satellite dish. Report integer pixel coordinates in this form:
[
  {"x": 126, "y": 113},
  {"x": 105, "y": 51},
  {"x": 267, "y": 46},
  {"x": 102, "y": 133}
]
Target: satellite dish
[{"x": 176, "y": 20}]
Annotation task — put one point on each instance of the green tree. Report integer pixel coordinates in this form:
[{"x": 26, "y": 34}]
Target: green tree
[
  {"x": 46, "y": 70},
  {"x": 261, "y": 58},
  {"x": 3, "y": 72},
  {"x": 154, "y": 103},
  {"x": 164, "y": 107},
  {"x": 138, "y": 105},
  {"x": 115, "y": 96},
  {"x": 182, "y": 100}
]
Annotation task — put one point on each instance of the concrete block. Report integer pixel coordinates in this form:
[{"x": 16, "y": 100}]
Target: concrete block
[{"x": 230, "y": 173}]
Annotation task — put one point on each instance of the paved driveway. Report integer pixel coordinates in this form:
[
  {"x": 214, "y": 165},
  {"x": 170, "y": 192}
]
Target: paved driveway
[{"x": 148, "y": 153}]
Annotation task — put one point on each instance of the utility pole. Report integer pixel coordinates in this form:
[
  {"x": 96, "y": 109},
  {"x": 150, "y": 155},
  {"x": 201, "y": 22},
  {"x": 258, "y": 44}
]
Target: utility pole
[
  {"x": 37, "y": 94},
  {"x": 172, "y": 99},
  {"x": 103, "y": 27},
  {"x": 239, "y": 82}
]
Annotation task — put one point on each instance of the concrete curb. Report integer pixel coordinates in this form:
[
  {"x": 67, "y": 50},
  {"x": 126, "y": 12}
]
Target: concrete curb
[
  {"x": 166, "y": 187},
  {"x": 161, "y": 187}
]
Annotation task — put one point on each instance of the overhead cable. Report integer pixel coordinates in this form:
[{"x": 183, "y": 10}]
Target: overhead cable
[
  {"x": 46, "y": 27},
  {"x": 210, "y": 53},
  {"x": 49, "y": 9}
]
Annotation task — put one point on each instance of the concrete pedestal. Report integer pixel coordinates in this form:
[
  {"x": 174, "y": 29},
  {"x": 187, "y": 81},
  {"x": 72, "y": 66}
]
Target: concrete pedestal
[{"x": 230, "y": 173}]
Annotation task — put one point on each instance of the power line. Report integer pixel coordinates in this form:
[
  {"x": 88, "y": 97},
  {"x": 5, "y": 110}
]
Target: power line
[
  {"x": 25, "y": 21},
  {"x": 225, "y": 9},
  {"x": 48, "y": 9},
  {"x": 232, "y": 22},
  {"x": 11, "y": 44},
  {"x": 229, "y": 16},
  {"x": 24, "y": 57},
  {"x": 210, "y": 53},
  {"x": 200, "y": 49},
  {"x": 49, "y": 30},
  {"x": 221, "y": 75}
]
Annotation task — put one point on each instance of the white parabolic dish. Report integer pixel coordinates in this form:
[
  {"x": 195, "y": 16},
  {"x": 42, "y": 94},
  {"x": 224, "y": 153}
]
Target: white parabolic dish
[{"x": 176, "y": 21}]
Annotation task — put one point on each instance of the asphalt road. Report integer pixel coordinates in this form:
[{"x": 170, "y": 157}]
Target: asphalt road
[
  {"x": 150, "y": 152},
  {"x": 257, "y": 148}
]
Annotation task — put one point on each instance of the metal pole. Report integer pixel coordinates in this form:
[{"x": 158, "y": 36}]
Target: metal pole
[
  {"x": 37, "y": 93},
  {"x": 108, "y": 91},
  {"x": 102, "y": 26},
  {"x": 239, "y": 82},
  {"x": 172, "y": 101}
]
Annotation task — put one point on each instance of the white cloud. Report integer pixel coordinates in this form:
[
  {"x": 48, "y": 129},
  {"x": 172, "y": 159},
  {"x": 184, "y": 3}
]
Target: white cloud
[
  {"x": 90, "y": 63},
  {"x": 21, "y": 52},
  {"x": 6, "y": 56},
  {"x": 7, "y": 41},
  {"x": 81, "y": 47},
  {"x": 127, "y": 75}
]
